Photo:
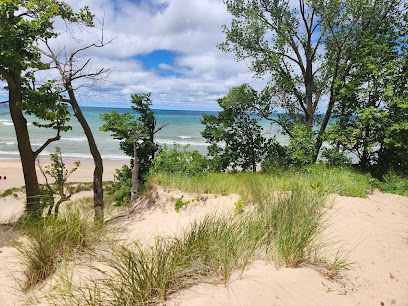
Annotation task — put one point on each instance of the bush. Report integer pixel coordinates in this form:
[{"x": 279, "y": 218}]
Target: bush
[
  {"x": 121, "y": 186},
  {"x": 277, "y": 157},
  {"x": 393, "y": 183},
  {"x": 182, "y": 161},
  {"x": 302, "y": 146},
  {"x": 335, "y": 158}
]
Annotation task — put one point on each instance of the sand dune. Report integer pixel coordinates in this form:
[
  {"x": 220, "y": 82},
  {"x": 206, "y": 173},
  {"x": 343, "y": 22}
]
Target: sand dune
[{"x": 373, "y": 230}]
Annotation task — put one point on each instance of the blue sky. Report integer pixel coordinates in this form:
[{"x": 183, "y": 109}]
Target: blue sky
[{"x": 167, "y": 47}]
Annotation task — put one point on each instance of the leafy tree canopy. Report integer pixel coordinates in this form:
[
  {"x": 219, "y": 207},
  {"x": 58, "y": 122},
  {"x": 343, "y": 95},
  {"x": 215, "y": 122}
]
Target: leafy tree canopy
[
  {"x": 235, "y": 136},
  {"x": 304, "y": 48}
]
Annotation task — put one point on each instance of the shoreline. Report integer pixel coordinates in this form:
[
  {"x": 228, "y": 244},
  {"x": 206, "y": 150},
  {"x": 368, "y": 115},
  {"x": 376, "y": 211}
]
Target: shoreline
[{"x": 12, "y": 169}]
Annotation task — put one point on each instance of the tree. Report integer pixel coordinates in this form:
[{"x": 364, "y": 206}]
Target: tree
[
  {"x": 70, "y": 72},
  {"x": 22, "y": 24},
  {"x": 59, "y": 173},
  {"x": 371, "y": 119},
  {"x": 304, "y": 50},
  {"x": 238, "y": 127},
  {"x": 137, "y": 141}
]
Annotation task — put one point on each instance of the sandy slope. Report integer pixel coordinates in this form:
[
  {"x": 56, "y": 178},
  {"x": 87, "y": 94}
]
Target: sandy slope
[
  {"x": 11, "y": 208},
  {"x": 375, "y": 230}
]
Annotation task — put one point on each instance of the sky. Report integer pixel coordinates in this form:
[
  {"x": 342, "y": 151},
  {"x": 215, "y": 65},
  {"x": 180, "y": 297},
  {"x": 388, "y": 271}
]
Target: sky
[{"x": 166, "y": 47}]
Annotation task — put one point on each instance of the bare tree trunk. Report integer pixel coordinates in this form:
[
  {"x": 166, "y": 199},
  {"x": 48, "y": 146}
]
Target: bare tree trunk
[
  {"x": 27, "y": 156},
  {"x": 98, "y": 171},
  {"x": 134, "y": 188}
]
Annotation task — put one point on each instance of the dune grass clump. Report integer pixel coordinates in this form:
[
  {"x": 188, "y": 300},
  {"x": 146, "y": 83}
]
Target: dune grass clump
[
  {"x": 297, "y": 222},
  {"x": 286, "y": 230},
  {"x": 49, "y": 241}
]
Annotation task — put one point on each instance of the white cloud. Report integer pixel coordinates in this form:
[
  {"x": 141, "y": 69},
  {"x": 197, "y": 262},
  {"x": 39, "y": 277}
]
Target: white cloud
[{"x": 192, "y": 28}]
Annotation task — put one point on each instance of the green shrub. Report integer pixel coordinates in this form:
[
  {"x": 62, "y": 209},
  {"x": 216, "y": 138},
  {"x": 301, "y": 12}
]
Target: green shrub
[
  {"x": 393, "y": 183},
  {"x": 335, "y": 158},
  {"x": 277, "y": 157},
  {"x": 302, "y": 146},
  {"x": 180, "y": 203},
  {"x": 182, "y": 161},
  {"x": 121, "y": 186},
  {"x": 239, "y": 207}
]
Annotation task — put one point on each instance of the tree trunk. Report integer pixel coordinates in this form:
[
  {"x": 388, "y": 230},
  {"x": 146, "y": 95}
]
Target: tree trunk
[
  {"x": 98, "y": 171},
  {"x": 27, "y": 156},
  {"x": 309, "y": 93},
  {"x": 134, "y": 188},
  {"x": 364, "y": 158}
]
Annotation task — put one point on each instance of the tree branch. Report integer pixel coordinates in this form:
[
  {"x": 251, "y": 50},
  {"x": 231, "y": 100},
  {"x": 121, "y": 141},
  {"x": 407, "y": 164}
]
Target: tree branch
[
  {"x": 6, "y": 75},
  {"x": 158, "y": 129},
  {"x": 50, "y": 140}
]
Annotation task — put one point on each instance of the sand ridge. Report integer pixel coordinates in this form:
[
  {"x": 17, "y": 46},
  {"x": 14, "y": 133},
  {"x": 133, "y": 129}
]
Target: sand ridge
[{"x": 374, "y": 230}]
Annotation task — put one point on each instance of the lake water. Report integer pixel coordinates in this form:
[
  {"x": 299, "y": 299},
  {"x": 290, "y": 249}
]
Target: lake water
[{"x": 183, "y": 127}]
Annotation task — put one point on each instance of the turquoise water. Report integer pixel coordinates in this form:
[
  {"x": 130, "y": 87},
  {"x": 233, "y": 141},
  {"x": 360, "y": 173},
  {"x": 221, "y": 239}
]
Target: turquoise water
[{"x": 183, "y": 127}]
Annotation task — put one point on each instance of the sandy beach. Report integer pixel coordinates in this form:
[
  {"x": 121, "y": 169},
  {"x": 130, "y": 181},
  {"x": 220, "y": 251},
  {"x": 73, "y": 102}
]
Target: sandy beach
[
  {"x": 12, "y": 170},
  {"x": 372, "y": 231}
]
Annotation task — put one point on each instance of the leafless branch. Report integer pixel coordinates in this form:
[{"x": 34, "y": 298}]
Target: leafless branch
[
  {"x": 50, "y": 140},
  {"x": 158, "y": 129}
]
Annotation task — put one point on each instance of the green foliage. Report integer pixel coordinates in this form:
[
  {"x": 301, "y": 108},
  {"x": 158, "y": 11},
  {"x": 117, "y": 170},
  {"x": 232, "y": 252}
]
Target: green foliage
[
  {"x": 277, "y": 157},
  {"x": 309, "y": 50},
  {"x": 128, "y": 129},
  {"x": 239, "y": 207},
  {"x": 45, "y": 103},
  {"x": 302, "y": 146},
  {"x": 123, "y": 128},
  {"x": 335, "y": 158},
  {"x": 121, "y": 186},
  {"x": 58, "y": 172},
  {"x": 237, "y": 125},
  {"x": 372, "y": 116},
  {"x": 182, "y": 161},
  {"x": 180, "y": 203},
  {"x": 133, "y": 133},
  {"x": 256, "y": 188},
  {"x": 393, "y": 183},
  {"x": 23, "y": 23}
]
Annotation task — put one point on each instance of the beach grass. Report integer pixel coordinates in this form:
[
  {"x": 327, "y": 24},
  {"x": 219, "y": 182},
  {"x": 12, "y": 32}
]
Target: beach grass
[
  {"x": 257, "y": 187},
  {"x": 283, "y": 226},
  {"x": 50, "y": 240},
  {"x": 284, "y": 229},
  {"x": 12, "y": 191}
]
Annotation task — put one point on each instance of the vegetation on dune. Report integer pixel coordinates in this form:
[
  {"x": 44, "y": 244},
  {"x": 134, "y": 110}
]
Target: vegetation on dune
[
  {"x": 286, "y": 229},
  {"x": 136, "y": 137},
  {"x": 258, "y": 186},
  {"x": 351, "y": 52},
  {"x": 51, "y": 240}
]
